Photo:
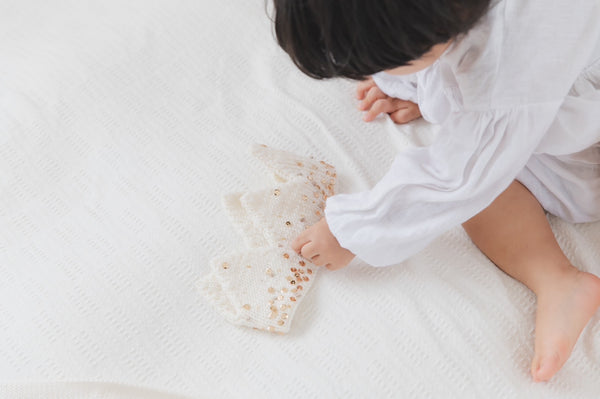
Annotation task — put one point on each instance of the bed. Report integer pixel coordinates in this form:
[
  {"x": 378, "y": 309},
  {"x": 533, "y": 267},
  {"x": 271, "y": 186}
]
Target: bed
[{"x": 122, "y": 124}]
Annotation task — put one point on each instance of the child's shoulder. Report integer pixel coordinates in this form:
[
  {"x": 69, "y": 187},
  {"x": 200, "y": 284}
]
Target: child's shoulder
[{"x": 524, "y": 51}]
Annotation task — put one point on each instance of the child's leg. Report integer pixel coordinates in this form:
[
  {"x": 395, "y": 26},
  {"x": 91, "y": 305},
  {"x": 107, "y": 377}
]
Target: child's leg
[{"x": 514, "y": 233}]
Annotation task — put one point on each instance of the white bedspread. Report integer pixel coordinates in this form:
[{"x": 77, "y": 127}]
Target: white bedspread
[{"x": 121, "y": 125}]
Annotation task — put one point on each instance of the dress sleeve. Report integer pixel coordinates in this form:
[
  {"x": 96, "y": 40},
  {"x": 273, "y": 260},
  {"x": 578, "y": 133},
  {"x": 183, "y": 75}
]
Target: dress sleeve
[
  {"x": 429, "y": 190},
  {"x": 403, "y": 87}
]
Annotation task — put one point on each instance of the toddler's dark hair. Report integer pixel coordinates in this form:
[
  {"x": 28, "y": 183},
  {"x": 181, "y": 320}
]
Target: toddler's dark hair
[{"x": 357, "y": 38}]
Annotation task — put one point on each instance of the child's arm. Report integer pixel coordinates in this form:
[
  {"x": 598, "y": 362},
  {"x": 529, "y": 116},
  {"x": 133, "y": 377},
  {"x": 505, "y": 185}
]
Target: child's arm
[
  {"x": 375, "y": 102},
  {"x": 317, "y": 243}
]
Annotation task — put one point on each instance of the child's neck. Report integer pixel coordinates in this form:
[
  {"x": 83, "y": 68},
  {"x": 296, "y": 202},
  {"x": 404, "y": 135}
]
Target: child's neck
[{"x": 426, "y": 60}]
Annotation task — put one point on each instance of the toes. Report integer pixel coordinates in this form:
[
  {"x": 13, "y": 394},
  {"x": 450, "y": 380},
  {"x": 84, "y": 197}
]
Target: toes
[
  {"x": 535, "y": 366},
  {"x": 543, "y": 368}
]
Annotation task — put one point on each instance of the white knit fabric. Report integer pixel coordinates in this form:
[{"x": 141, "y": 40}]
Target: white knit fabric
[
  {"x": 122, "y": 125},
  {"x": 263, "y": 286}
]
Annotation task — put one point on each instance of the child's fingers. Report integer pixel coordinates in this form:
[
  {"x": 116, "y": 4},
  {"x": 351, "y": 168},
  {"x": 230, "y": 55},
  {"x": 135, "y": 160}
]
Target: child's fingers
[
  {"x": 318, "y": 261},
  {"x": 371, "y": 97},
  {"x": 379, "y": 107},
  {"x": 309, "y": 250},
  {"x": 299, "y": 242},
  {"x": 405, "y": 115},
  {"x": 363, "y": 87}
]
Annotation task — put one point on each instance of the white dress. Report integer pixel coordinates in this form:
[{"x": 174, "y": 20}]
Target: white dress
[{"x": 518, "y": 97}]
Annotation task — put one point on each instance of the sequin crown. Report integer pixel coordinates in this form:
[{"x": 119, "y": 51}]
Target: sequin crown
[{"x": 263, "y": 285}]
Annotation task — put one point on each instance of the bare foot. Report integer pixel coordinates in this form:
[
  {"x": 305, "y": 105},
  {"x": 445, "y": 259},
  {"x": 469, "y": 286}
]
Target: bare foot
[{"x": 563, "y": 309}]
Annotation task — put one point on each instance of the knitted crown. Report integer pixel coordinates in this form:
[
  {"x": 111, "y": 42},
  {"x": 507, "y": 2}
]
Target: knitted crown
[{"x": 263, "y": 285}]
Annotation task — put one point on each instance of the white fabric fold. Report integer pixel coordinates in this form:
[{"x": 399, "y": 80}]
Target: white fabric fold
[{"x": 83, "y": 390}]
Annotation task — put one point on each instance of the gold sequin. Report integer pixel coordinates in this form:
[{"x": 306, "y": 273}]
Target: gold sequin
[
  {"x": 225, "y": 265},
  {"x": 284, "y": 290},
  {"x": 269, "y": 272},
  {"x": 284, "y": 316},
  {"x": 280, "y": 297},
  {"x": 305, "y": 197},
  {"x": 273, "y": 308},
  {"x": 300, "y": 164},
  {"x": 293, "y": 282},
  {"x": 271, "y": 290},
  {"x": 309, "y": 271},
  {"x": 270, "y": 328},
  {"x": 288, "y": 223},
  {"x": 280, "y": 322},
  {"x": 246, "y": 306},
  {"x": 287, "y": 256},
  {"x": 293, "y": 299},
  {"x": 299, "y": 287},
  {"x": 273, "y": 315},
  {"x": 293, "y": 269},
  {"x": 305, "y": 278},
  {"x": 276, "y": 192},
  {"x": 302, "y": 263}
]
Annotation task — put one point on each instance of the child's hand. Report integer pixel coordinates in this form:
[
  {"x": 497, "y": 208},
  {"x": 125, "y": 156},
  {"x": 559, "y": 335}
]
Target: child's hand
[
  {"x": 375, "y": 102},
  {"x": 319, "y": 246}
]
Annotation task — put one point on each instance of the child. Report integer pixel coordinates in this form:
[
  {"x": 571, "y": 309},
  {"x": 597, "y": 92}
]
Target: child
[{"x": 515, "y": 86}]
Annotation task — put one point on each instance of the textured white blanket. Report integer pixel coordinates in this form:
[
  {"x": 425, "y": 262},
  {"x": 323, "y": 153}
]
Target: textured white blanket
[{"x": 122, "y": 123}]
